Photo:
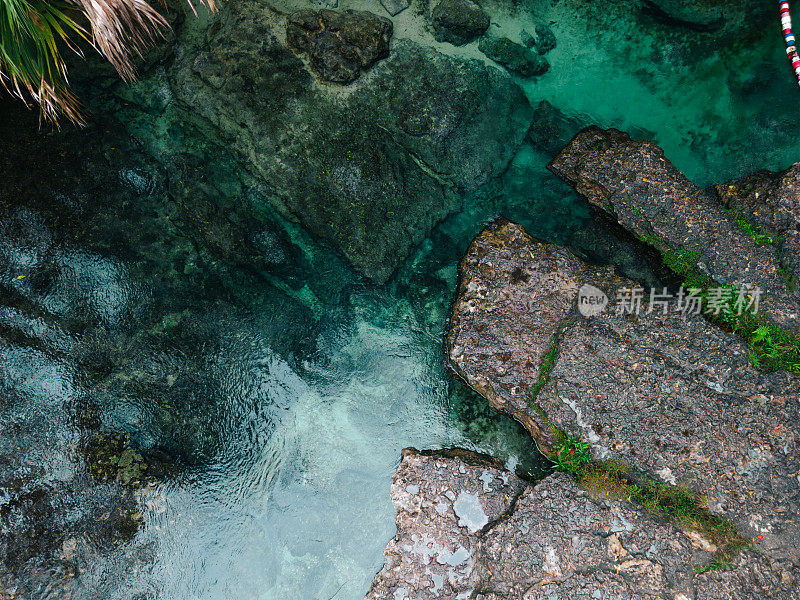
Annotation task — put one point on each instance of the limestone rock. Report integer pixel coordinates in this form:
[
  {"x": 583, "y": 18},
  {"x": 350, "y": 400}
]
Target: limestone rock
[
  {"x": 458, "y": 21},
  {"x": 636, "y": 185},
  {"x": 444, "y": 501},
  {"x": 771, "y": 201},
  {"x": 670, "y": 394},
  {"x": 513, "y": 295},
  {"x": 551, "y": 540},
  {"x": 339, "y": 45}
]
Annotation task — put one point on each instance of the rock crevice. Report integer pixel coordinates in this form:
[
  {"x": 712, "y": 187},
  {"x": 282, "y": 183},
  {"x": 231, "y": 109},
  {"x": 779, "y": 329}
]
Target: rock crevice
[
  {"x": 542, "y": 541},
  {"x": 670, "y": 395}
]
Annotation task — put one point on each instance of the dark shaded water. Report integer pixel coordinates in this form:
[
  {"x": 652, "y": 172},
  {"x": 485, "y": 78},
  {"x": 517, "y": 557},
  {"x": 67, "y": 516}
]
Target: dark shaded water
[{"x": 270, "y": 404}]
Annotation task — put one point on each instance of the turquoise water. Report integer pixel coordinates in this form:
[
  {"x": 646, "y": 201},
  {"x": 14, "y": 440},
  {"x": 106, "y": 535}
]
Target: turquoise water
[{"x": 280, "y": 400}]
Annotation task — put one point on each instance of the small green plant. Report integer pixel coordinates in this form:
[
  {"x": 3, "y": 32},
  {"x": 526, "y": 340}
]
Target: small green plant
[
  {"x": 787, "y": 275},
  {"x": 680, "y": 506},
  {"x": 720, "y": 563},
  {"x": 756, "y": 232},
  {"x": 545, "y": 368},
  {"x": 772, "y": 348},
  {"x": 570, "y": 454},
  {"x": 775, "y": 347},
  {"x": 35, "y": 33}
]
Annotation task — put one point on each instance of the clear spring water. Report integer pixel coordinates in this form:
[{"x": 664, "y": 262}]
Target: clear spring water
[{"x": 302, "y": 438}]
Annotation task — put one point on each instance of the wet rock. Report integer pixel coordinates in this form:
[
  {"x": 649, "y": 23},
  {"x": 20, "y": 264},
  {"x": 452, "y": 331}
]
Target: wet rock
[
  {"x": 339, "y": 45},
  {"x": 551, "y": 540},
  {"x": 443, "y": 501},
  {"x": 700, "y": 16},
  {"x": 636, "y": 185},
  {"x": 545, "y": 39},
  {"x": 458, "y": 21},
  {"x": 514, "y": 57},
  {"x": 669, "y": 395},
  {"x": 395, "y": 7},
  {"x": 371, "y": 171},
  {"x": 513, "y": 295}
]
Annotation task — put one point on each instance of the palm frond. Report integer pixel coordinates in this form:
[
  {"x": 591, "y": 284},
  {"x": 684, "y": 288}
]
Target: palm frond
[
  {"x": 122, "y": 28},
  {"x": 33, "y": 32},
  {"x": 31, "y": 66}
]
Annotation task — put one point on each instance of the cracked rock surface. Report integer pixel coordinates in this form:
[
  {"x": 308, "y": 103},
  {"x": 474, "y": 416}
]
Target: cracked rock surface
[
  {"x": 339, "y": 45},
  {"x": 669, "y": 395},
  {"x": 772, "y": 202},
  {"x": 548, "y": 541},
  {"x": 637, "y": 186}
]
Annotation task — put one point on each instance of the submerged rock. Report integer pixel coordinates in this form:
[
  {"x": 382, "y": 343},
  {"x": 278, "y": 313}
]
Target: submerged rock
[
  {"x": 542, "y": 42},
  {"x": 545, "y": 38},
  {"x": 551, "y": 129},
  {"x": 551, "y": 540},
  {"x": 339, "y": 45},
  {"x": 372, "y": 170},
  {"x": 458, "y": 21},
  {"x": 669, "y": 395},
  {"x": 395, "y": 7},
  {"x": 514, "y": 57},
  {"x": 701, "y": 16},
  {"x": 636, "y": 185}
]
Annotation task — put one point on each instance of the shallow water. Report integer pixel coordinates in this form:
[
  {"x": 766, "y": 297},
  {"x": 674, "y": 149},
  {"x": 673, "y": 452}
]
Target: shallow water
[{"x": 288, "y": 396}]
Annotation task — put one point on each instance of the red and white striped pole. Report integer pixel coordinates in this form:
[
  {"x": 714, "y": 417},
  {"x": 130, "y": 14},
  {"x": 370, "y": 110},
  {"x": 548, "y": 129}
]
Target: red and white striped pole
[{"x": 791, "y": 48}]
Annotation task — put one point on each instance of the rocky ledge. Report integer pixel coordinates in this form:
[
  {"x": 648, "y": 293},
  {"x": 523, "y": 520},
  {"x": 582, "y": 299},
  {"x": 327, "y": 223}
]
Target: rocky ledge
[
  {"x": 741, "y": 233},
  {"x": 670, "y": 396},
  {"x": 466, "y": 528}
]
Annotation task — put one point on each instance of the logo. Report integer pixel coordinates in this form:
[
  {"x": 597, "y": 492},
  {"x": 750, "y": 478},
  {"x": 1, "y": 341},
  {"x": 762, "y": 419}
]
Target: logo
[{"x": 591, "y": 301}]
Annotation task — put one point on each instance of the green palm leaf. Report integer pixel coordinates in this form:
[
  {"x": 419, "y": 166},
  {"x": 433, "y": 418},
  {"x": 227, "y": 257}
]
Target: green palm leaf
[{"x": 33, "y": 33}]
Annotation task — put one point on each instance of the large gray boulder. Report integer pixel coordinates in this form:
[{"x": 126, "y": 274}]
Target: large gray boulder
[
  {"x": 370, "y": 170},
  {"x": 669, "y": 395},
  {"x": 468, "y": 529},
  {"x": 638, "y": 187}
]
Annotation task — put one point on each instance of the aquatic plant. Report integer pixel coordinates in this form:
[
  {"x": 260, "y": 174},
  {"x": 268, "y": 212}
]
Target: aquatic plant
[{"x": 34, "y": 33}]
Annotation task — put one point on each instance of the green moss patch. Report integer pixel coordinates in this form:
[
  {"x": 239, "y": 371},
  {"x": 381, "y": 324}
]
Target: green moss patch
[
  {"x": 772, "y": 347},
  {"x": 685, "y": 509},
  {"x": 757, "y": 233}
]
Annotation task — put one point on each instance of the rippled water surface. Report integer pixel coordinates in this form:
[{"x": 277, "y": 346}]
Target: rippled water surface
[{"x": 271, "y": 404}]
